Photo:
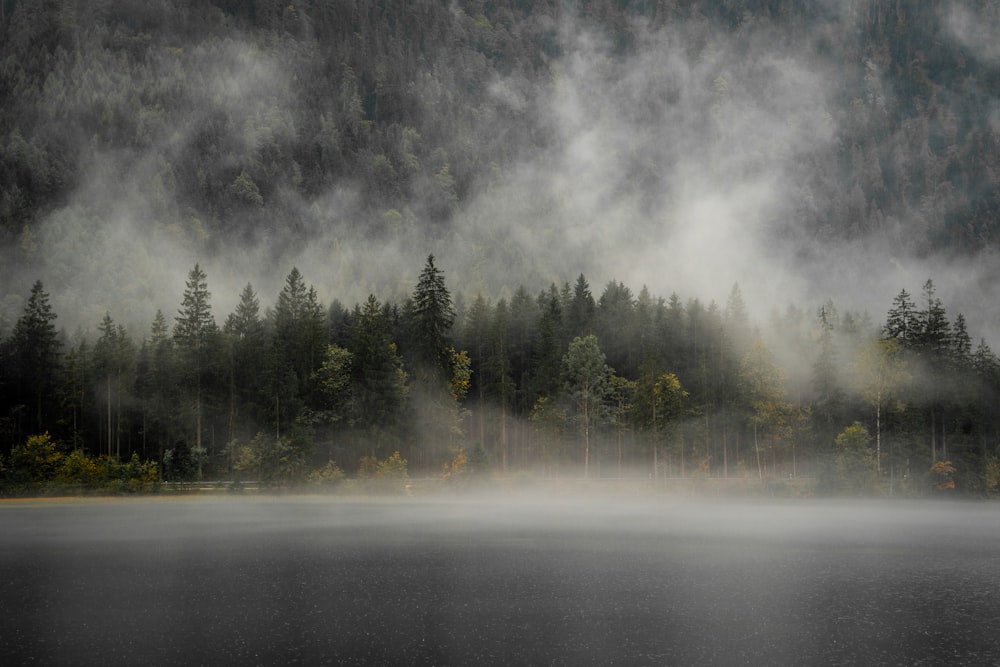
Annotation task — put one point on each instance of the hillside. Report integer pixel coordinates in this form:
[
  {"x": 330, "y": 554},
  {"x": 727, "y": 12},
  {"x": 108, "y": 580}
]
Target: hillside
[{"x": 521, "y": 138}]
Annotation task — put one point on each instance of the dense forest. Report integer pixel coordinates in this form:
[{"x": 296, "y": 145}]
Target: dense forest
[
  {"x": 689, "y": 154},
  {"x": 561, "y": 383}
]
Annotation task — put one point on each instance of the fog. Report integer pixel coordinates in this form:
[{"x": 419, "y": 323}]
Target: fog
[{"x": 699, "y": 160}]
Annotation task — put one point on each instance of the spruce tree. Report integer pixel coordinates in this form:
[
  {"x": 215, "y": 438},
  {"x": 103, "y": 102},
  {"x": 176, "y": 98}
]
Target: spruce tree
[
  {"x": 244, "y": 333},
  {"x": 902, "y": 322},
  {"x": 378, "y": 381},
  {"x": 36, "y": 355},
  {"x": 433, "y": 315},
  {"x": 195, "y": 335}
]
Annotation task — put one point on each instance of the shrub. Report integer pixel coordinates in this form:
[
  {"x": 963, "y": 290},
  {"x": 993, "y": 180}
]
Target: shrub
[{"x": 328, "y": 476}]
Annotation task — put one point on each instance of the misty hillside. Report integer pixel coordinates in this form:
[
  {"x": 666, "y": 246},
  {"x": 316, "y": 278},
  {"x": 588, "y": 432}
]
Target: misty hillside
[
  {"x": 803, "y": 163},
  {"x": 682, "y": 145}
]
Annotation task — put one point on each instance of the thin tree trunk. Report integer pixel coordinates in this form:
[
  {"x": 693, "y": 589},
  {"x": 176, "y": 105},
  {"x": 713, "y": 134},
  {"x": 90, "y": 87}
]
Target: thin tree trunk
[
  {"x": 756, "y": 447},
  {"x": 110, "y": 437},
  {"x": 878, "y": 434}
]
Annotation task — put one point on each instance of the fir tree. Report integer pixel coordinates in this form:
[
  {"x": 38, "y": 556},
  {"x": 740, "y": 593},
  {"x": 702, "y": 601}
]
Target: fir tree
[
  {"x": 433, "y": 315},
  {"x": 195, "y": 335},
  {"x": 36, "y": 354}
]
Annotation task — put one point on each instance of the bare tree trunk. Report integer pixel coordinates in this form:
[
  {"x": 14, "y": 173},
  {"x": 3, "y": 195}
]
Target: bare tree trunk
[
  {"x": 878, "y": 434},
  {"x": 110, "y": 436},
  {"x": 756, "y": 447}
]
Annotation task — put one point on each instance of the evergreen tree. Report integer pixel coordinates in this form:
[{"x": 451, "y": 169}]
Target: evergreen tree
[
  {"x": 496, "y": 377},
  {"x": 36, "y": 356},
  {"x": 74, "y": 393},
  {"x": 433, "y": 315},
  {"x": 476, "y": 337},
  {"x": 523, "y": 328},
  {"x": 114, "y": 364},
  {"x": 378, "y": 381},
  {"x": 614, "y": 323},
  {"x": 245, "y": 338},
  {"x": 829, "y": 397},
  {"x": 300, "y": 333},
  {"x": 580, "y": 310},
  {"x": 933, "y": 346},
  {"x": 195, "y": 334},
  {"x": 157, "y": 383},
  {"x": 934, "y": 331},
  {"x": 961, "y": 344},
  {"x": 737, "y": 321},
  {"x": 547, "y": 360},
  {"x": 902, "y": 322}
]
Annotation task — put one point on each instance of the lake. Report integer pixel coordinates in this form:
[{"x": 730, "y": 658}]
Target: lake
[{"x": 528, "y": 579}]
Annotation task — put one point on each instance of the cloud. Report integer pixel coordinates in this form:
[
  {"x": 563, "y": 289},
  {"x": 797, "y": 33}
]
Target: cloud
[{"x": 975, "y": 31}]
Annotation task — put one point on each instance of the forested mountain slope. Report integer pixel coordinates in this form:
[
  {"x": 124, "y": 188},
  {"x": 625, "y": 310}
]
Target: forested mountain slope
[{"x": 542, "y": 137}]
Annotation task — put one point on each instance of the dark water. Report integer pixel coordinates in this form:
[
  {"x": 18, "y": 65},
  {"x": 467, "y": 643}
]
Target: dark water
[{"x": 519, "y": 581}]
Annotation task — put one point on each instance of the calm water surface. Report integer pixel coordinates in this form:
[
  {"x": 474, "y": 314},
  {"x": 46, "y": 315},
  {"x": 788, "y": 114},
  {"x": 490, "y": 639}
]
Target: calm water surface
[{"x": 527, "y": 580}]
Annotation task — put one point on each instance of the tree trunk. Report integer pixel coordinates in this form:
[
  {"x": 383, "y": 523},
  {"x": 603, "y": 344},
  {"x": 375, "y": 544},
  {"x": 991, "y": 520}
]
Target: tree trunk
[{"x": 756, "y": 447}]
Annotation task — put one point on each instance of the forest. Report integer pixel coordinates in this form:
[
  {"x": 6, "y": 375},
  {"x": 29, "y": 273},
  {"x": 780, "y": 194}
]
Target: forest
[
  {"x": 748, "y": 180},
  {"x": 558, "y": 384}
]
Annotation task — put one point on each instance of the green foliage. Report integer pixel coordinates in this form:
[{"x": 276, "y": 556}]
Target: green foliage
[
  {"x": 461, "y": 374},
  {"x": 855, "y": 460},
  {"x": 39, "y": 466},
  {"x": 327, "y": 477},
  {"x": 246, "y": 191},
  {"x": 78, "y": 468},
  {"x": 390, "y": 475},
  {"x": 37, "y": 460},
  {"x": 721, "y": 406},
  {"x": 393, "y": 468},
  {"x": 992, "y": 476},
  {"x": 333, "y": 381},
  {"x": 433, "y": 316}
]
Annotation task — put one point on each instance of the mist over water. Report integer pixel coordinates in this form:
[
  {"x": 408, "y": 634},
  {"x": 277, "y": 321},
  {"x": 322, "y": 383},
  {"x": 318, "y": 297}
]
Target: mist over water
[{"x": 524, "y": 578}]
